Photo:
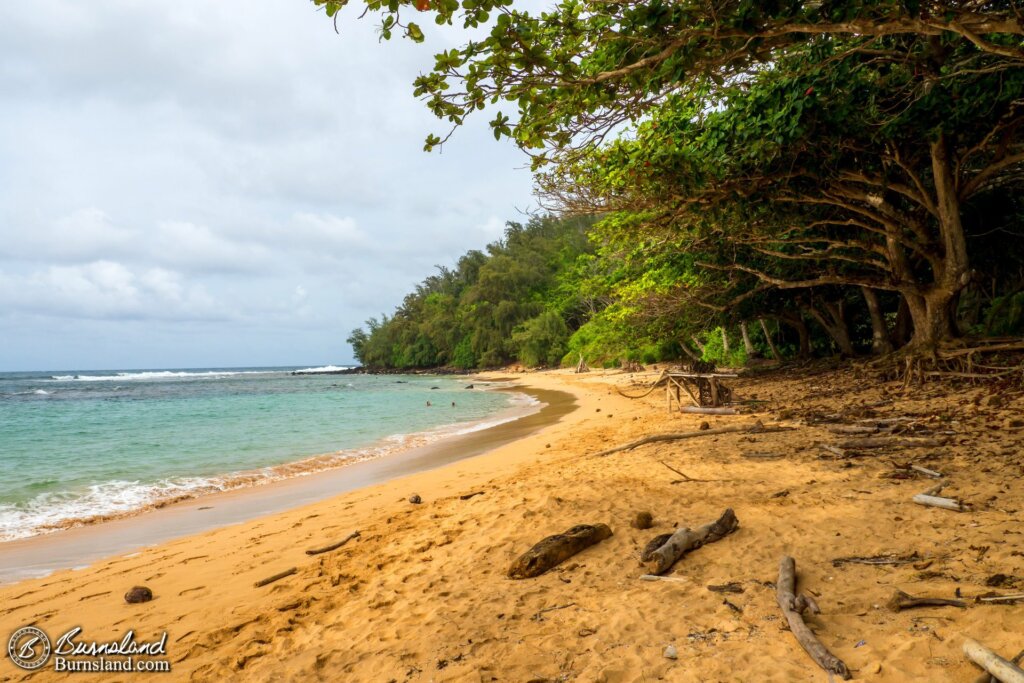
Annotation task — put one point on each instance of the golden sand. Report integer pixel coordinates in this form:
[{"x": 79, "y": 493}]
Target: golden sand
[{"x": 422, "y": 595}]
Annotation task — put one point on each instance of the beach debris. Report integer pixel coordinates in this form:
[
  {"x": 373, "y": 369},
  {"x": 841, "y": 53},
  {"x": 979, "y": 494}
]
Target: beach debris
[
  {"x": 333, "y": 546},
  {"x": 643, "y": 520},
  {"x": 671, "y": 652},
  {"x": 685, "y": 477},
  {"x": 553, "y": 550},
  {"x": 415, "y": 499},
  {"x": 703, "y": 410},
  {"x": 469, "y": 386},
  {"x": 467, "y": 496},
  {"x": 992, "y": 598},
  {"x": 901, "y": 601},
  {"x": 793, "y": 606},
  {"x": 731, "y": 587},
  {"x": 997, "y": 667},
  {"x": 653, "y": 545},
  {"x": 879, "y": 560},
  {"x": 276, "y": 577},
  {"x": 652, "y": 577},
  {"x": 932, "y": 499},
  {"x": 756, "y": 428},
  {"x": 735, "y": 608},
  {"x": 891, "y": 442},
  {"x": 704, "y": 426},
  {"x": 927, "y": 472},
  {"x": 138, "y": 594},
  {"x": 539, "y": 616},
  {"x": 684, "y": 540}
]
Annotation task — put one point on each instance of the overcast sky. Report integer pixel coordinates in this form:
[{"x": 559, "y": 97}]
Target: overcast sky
[{"x": 229, "y": 183}]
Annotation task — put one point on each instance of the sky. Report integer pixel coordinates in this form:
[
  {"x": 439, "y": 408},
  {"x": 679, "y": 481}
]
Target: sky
[{"x": 223, "y": 184}]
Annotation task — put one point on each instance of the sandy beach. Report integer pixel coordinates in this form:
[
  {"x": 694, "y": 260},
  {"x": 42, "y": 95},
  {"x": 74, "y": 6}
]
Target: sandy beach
[{"x": 422, "y": 593}]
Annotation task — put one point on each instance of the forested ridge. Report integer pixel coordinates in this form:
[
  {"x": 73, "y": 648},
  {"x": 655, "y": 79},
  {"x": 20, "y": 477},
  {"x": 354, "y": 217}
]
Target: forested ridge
[{"x": 809, "y": 178}]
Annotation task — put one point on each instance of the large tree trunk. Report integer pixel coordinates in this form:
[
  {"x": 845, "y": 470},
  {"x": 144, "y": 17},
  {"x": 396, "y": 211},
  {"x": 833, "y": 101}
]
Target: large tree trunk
[
  {"x": 904, "y": 328},
  {"x": 795, "y": 321},
  {"x": 832, "y": 318},
  {"x": 880, "y": 343},
  {"x": 933, "y": 309},
  {"x": 725, "y": 339},
  {"x": 768, "y": 338},
  {"x": 748, "y": 345}
]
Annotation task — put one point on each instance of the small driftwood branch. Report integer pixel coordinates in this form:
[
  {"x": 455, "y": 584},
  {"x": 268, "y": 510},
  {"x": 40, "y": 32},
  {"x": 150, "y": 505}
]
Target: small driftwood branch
[
  {"x": 793, "y": 607},
  {"x": 467, "y": 496},
  {"x": 553, "y": 550},
  {"x": 892, "y": 442},
  {"x": 901, "y": 601},
  {"x": 927, "y": 472},
  {"x": 684, "y": 540},
  {"x": 878, "y": 560},
  {"x": 333, "y": 546},
  {"x": 756, "y": 428},
  {"x": 852, "y": 429},
  {"x": 989, "y": 678},
  {"x": 1003, "y": 670},
  {"x": 1013, "y": 597},
  {"x": 939, "y": 502},
  {"x": 652, "y": 577},
  {"x": 276, "y": 577},
  {"x": 702, "y": 410}
]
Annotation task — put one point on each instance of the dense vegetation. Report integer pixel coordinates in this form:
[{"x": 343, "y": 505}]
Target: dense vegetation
[{"x": 840, "y": 176}]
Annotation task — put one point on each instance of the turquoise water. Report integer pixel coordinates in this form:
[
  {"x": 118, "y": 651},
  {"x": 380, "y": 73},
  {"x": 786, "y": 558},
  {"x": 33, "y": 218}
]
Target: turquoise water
[{"x": 77, "y": 445}]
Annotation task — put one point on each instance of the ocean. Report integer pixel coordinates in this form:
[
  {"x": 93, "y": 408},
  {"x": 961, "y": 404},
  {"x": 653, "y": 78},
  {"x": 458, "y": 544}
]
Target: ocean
[{"x": 80, "y": 446}]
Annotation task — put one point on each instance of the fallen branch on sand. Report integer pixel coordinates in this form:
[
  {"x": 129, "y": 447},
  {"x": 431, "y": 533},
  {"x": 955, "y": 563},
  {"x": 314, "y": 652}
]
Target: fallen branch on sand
[
  {"x": 684, "y": 540},
  {"x": 892, "y": 442},
  {"x": 1013, "y": 597},
  {"x": 793, "y": 607},
  {"x": 467, "y": 496},
  {"x": 276, "y": 577},
  {"x": 932, "y": 499},
  {"x": 756, "y": 428},
  {"x": 901, "y": 601},
  {"x": 333, "y": 546},
  {"x": 878, "y": 560},
  {"x": 685, "y": 477},
  {"x": 553, "y": 550},
  {"x": 1001, "y": 669},
  {"x": 702, "y": 410}
]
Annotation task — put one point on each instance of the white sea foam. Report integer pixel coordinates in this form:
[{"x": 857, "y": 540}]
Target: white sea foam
[
  {"x": 325, "y": 368},
  {"x": 158, "y": 374},
  {"x": 50, "y": 512}
]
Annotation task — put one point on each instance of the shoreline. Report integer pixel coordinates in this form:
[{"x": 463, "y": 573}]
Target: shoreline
[
  {"x": 91, "y": 540},
  {"x": 422, "y": 593}
]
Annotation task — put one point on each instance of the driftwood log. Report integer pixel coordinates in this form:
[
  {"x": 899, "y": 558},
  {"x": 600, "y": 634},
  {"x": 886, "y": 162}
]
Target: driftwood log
[
  {"x": 756, "y": 428},
  {"x": 1003, "y": 670},
  {"x": 793, "y": 607},
  {"x": 939, "y": 502},
  {"x": 553, "y": 550},
  {"x": 901, "y": 601},
  {"x": 276, "y": 577},
  {"x": 653, "y": 545},
  {"x": 333, "y": 546},
  {"x": 684, "y": 540}
]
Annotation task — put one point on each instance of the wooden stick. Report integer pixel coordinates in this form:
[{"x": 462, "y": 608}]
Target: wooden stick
[
  {"x": 926, "y": 471},
  {"x": 878, "y": 560},
  {"x": 901, "y": 601},
  {"x": 276, "y": 577},
  {"x": 793, "y": 607},
  {"x": 892, "y": 442},
  {"x": 939, "y": 502},
  {"x": 852, "y": 429},
  {"x": 757, "y": 428},
  {"x": 467, "y": 496},
  {"x": 1002, "y": 598},
  {"x": 333, "y": 546},
  {"x": 989, "y": 678},
  {"x": 685, "y": 540},
  {"x": 993, "y": 663},
  {"x": 695, "y": 410},
  {"x": 652, "y": 577}
]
